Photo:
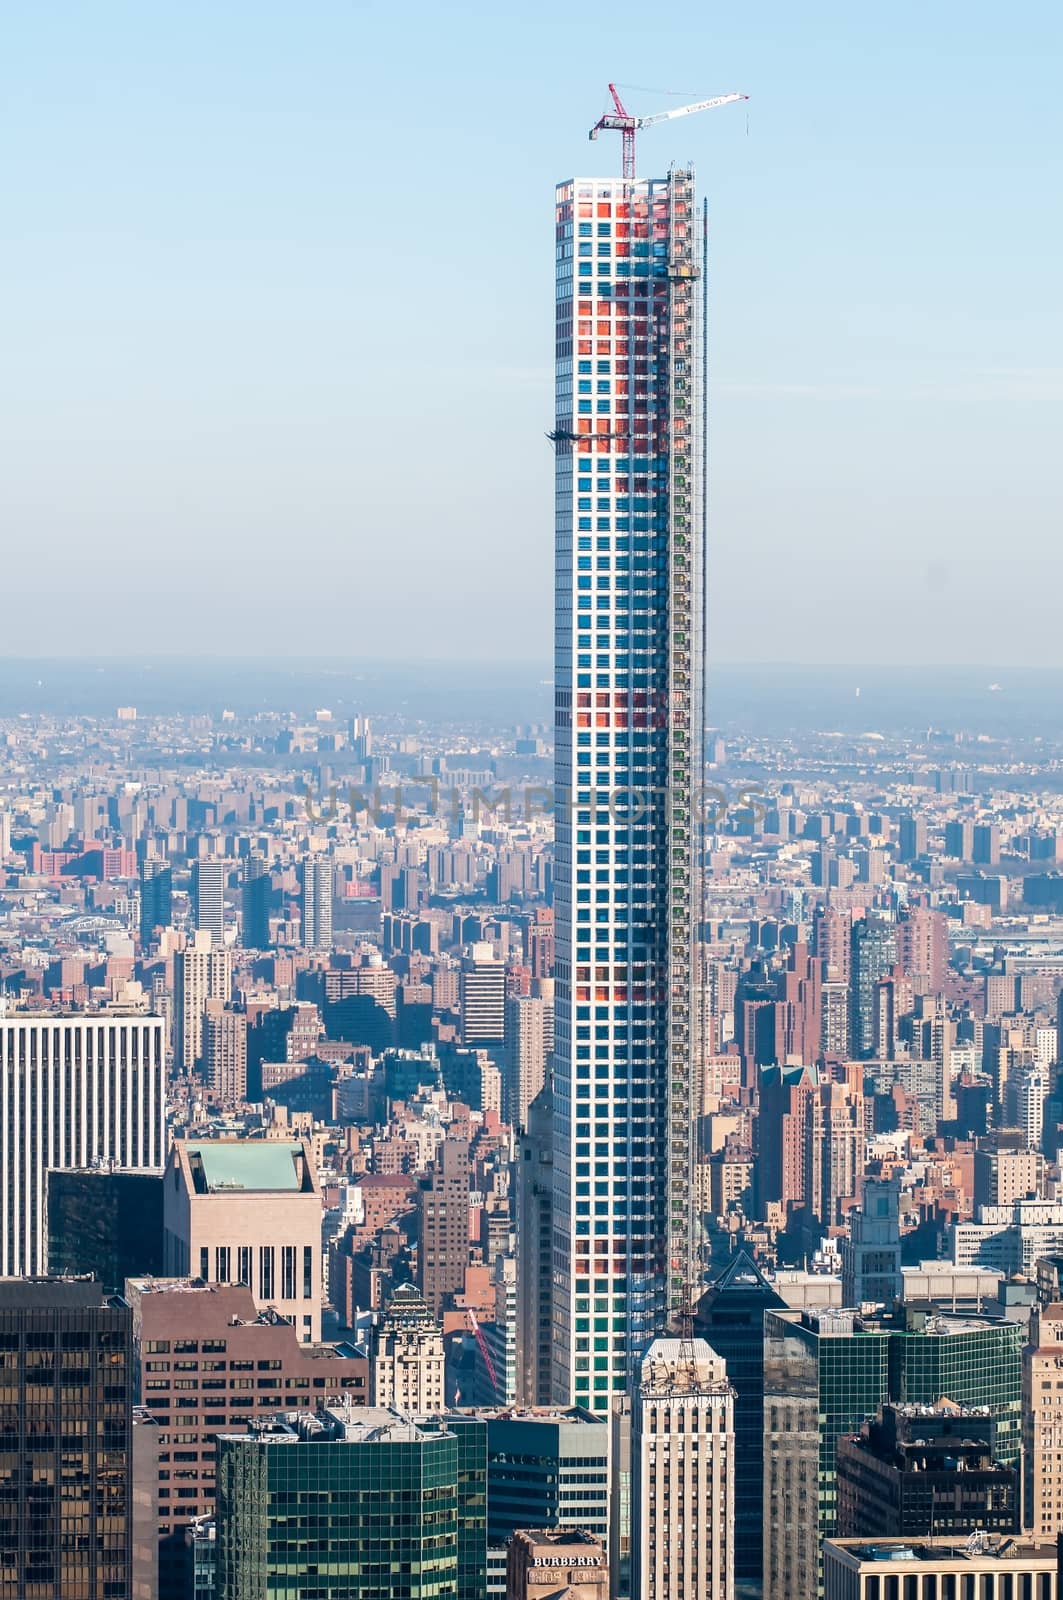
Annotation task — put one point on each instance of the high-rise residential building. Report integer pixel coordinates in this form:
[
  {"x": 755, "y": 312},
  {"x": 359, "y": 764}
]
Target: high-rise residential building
[
  {"x": 1031, "y": 1092},
  {"x": 1006, "y": 1170},
  {"x": 76, "y": 1090},
  {"x": 406, "y": 1356},
  {"x": 730, "y": 1317},
  {"x": 356, "y": 1504},
  {"x": 1042, "y": 1421},
  {"x": 810, "y": 1136},
  {"x": 919, "y": 1469},
  {"x": 499, "y": 1334},
  {"x": 201, "y": 972},
  {"x": 529, "y": 1049},
  {"x": 482, "y": 997},
  {"x": 534, "y": 1186},
  {"x": 682, "y": 1474},
  {"x": 208, "y": 1359},
  {"x": 629, "y": 732},
  {"x": 986, "y": 844},
  {"x": 923, "y": 950},
  {"x": 871, "y": 1255},
  {"x": 911, "y": 836},
  {"x": 316, "y": 902},
  {"x": 834, "y": 1018},
  {"x": 156, "y": 897},
  {"x": 959, "y": 840},
  {"x": 208, "y": 898},
  {"x": 66, "y": 1532},
  {"x": 255, "y": 894},
  {"x": 225, "y": 1050},
  {"x": 544, "y": 1564},
  {"x": 248, "y": 1211},
  {"x": 874, "y": 956},
  {"x": 443, "y": 1217}
]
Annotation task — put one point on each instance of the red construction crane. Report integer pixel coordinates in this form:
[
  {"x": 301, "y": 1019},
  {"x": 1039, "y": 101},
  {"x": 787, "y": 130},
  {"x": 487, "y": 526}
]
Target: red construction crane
[{"x": 627, "y": 125}]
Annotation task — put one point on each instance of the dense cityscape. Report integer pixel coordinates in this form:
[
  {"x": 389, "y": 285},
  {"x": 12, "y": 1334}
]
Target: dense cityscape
[{"x": 587, "y": 1135}]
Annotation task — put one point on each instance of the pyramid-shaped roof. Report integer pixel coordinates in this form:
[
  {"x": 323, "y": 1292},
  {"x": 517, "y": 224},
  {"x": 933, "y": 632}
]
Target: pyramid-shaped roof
[{"x": 741, "y": 1278}]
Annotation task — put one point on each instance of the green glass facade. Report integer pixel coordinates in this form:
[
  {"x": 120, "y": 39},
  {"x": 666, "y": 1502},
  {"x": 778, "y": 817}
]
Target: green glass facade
[
  {"x": 817, "y": 1386},
  {"x": 975, "y": 1365},
  {"x": 352, "y": 1510},
  {"x": 824, "y": 1374}
]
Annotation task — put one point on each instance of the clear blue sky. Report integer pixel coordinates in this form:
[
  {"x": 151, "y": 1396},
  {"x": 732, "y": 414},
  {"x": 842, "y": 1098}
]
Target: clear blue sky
[{"x": 276, "y": 288}]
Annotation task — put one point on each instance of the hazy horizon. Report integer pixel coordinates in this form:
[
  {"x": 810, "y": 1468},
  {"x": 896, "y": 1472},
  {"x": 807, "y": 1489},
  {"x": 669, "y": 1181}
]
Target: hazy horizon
[
  {"x": 279, "y": 322},
  {"x": 456, "y": 697}
]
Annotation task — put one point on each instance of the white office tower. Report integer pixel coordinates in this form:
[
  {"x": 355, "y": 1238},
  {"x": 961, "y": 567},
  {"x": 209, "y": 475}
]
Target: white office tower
[
  {"x": 629, "y": 734},
  {"x": 316, "y": 902},
  {"x": 208, "y": 897},
  {"x": 482, "y": 996},
  {"x": 682, "y": 1475},
  {"x": 75, "y": 1091},
  {"x": 200, "y": 973}
]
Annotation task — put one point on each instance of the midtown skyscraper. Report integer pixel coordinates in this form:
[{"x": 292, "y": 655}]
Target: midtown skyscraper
[{"x": 630, "y": 487}]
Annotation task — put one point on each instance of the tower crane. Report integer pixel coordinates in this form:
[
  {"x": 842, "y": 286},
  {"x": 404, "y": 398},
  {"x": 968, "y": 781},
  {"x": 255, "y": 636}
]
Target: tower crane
[{"x": 627, "y": 126}]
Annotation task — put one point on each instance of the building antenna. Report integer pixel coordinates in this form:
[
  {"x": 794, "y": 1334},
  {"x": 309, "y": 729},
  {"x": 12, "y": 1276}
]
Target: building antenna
[{"x": 620, "y": 120}]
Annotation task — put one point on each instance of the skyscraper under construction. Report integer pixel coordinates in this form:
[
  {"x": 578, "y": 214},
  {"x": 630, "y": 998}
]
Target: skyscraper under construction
[{"x": 630, "y": 594}]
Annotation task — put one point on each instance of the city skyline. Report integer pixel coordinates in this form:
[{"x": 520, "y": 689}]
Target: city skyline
[{"x": 884, "y": 390}]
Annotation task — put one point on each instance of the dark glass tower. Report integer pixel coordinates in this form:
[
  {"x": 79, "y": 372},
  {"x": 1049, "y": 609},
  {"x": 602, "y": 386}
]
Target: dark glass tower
[
  {"x": 156, "y": 897},
  {"x": 66, "y": 1437},
  {"x": 731, "y": 1319},
  {"x": 874, "y": 956}
]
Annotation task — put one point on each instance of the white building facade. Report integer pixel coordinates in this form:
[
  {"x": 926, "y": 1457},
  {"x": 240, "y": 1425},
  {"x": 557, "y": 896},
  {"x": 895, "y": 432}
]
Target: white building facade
[
  {"x": 75, "y": 1091},
  {"x": 682, "y": 1474}
]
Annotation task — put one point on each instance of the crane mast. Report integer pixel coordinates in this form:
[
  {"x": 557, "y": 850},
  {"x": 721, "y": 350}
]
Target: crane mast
[{"x": 620, "y": 120}]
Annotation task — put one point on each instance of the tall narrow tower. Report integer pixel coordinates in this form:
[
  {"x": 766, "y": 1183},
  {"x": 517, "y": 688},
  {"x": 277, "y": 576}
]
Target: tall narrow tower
[{"x": 630, "y": 530}]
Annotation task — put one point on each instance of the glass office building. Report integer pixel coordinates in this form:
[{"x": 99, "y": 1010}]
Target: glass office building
[
  {"x": 66, "y": 1433},
  {"x": 354, "y": 1504},
  {"x": 825, "y": 1373},
  {"x": 730, "y": 1317},
  {"x": 971, "y": 1362},
  {"x": 630, "y": 484}
]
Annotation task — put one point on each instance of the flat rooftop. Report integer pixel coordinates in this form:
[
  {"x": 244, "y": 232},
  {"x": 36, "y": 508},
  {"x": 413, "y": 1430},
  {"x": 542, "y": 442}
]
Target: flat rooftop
[
  {"x": 226, "y": 1166},
  {"x": 338, "y": 1425},
  {"x": 975, "y": 1549}
]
